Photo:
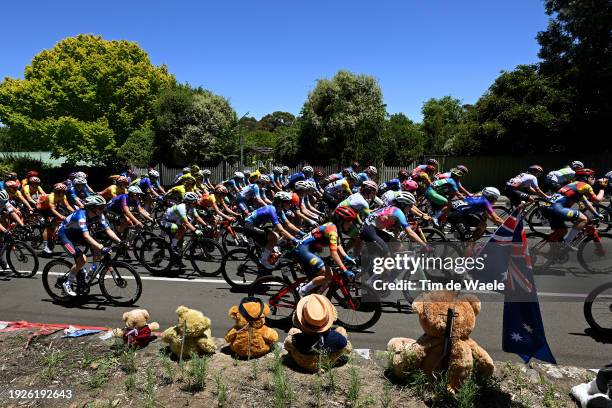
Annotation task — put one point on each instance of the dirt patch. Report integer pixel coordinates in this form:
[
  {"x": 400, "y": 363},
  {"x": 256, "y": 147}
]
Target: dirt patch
[{"x": 99, "y": 374}]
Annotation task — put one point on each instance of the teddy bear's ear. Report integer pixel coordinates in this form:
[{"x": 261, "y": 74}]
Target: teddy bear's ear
[
  {"x": 233, "y": 312},
  {"x": 266, "y": 310},
  {"x": 473, "y": 301},
  {"x": 145, "y": 313},
  {"x": 181, "y": 310},
  {"x": 126, "y": 315}
]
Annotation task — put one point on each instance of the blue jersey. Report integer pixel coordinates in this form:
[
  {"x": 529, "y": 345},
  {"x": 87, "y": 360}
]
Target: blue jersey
[
  {"x": 472, "y": 205},
  {"x": 73, "y": 193},
  {"x": 265, "y": 215},
  {"x": 145, "y": 184},
  {"x": 116, "y": 204},
  {"x": 77, "y": 223},
  {"x": 393, "y": 184},
  {"x": 294, "y": 178},
  {"x": 250, "y": 192}
]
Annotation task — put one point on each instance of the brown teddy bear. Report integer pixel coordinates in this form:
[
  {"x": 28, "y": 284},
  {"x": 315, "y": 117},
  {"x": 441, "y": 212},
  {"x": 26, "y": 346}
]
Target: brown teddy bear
[
  {"x": 137, "y": 331},
  {"x": 250, "y": 337},
  {"x": 196, "y": 327},
  {"x": 426, "y": 353},
  {"x": 313, "y": 343}
]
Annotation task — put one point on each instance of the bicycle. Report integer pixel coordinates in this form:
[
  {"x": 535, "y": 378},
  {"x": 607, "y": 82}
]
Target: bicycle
[
  {"x": 205, "y": 255},
  {"x": 546, "y": 252},
  {"x": 357, "y": 304},
  {"x": 598, "y": 309},
  {"x": 532, "y": 213},
  {"x": 110, "y": 275},
  {"x": 18, "y": 255}
]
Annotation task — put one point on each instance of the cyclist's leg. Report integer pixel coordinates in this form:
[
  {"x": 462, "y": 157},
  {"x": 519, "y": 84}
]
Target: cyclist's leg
[
  {"x": 79, "y": 260},
  {"x": 577, "y": 218},
  {"x": 314, "y": 268},
  {"x": 268, "y": 257}
]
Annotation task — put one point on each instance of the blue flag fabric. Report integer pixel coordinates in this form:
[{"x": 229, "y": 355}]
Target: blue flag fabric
[{"x": 523, "y": 329}]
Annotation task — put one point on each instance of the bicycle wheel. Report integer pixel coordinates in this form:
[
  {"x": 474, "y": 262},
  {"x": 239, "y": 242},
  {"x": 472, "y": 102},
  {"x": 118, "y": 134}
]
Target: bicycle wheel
[
  {"x": 598, "y": 309},
  {"x": 155, "y": 255},
  {"x": 542, "y": 252},
  {"x": 120, "y": 283},
  {"x": 231, "y": 241},
  {"x": 280, "y": 297},
  {"x": 138, "y": 241},
  {"x": 35, "y": 238},
  {"x": 206, "y": 256},
  {"x": 359, "y": 308},
  {"x": 594, "y": 257},
  {"x": 53, "y": 276},
  {"x": 22, "y": 259},
  {"x": 535, "y": 219},
  {"x": 433, "y": 234},
  {"x": 240, "y": 268},
  {"x": 605, "y": 224}
]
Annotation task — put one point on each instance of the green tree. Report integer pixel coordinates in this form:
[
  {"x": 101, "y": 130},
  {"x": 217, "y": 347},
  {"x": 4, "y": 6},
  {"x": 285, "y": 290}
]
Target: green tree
[
  {"x": 404, "y": 139},
  {"x": 287, "y": 139},
  {"x": 99, "y": 91},
  {"x": 138, "y": 148},
  {"x": 575, "y": 53},
  {"x": 275, "y": 119},
  {"x": 343, "y": 119},
  {"x": 440, "y": 120}
]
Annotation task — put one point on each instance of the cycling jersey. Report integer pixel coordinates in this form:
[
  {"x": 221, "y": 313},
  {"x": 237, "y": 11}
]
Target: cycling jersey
[
  {"x": 472, "y": 205},
  {"x": 124, "y": 200},
  {"x": 45, "y": 201},
  {"x": 338, "y": 187},
  {"x": 294, "y": 178},
  {"x": 177, "y": 214},
  {"x": 572, "y": 193},
  {"x": 145, "y": 184},
  {"x": 266, "y": 215},
  {"x": 445, "y": 186},
  {"x": 112, "y": 191},
  {"x": 75, "y": 192},
  {"x": 420, "y": 175},
  {"x": 249, "y": 192},
  {"x": 78, "y": 223},
  {"x": 233, "y": 184},
  {"x": 7, "y": 208},
  {"x": 29, "y": 189},
  {"x": 387, "y": 218},
  {"x": 389, "y": 196},
  {"x": 523, "y": 181},
  {"x": 357, "y": 203},
  {"x": 321, "y": 236},
  {"x": 207, "y": 200},
  {"x": 178, "y": 192},
  {"x": 418, "y": 170},
  {"x": 393, "y": 184},
  {"x": 562, "y": 176}
]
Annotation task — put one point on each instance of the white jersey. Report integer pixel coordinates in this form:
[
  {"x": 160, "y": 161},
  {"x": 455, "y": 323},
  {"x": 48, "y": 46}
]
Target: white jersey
[
  {"x": 388, "y": 197},
  {"x": 562, "y": 176},
  {"x": 177, "y": 213},
  {"x": 523, "y": 181},
  {"x": 356, "y": 202}
]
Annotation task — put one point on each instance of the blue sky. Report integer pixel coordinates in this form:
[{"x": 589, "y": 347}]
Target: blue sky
[{"x": 266, "y": 55}]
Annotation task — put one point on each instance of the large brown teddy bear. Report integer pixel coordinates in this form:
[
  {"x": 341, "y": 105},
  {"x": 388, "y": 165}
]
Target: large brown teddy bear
[
  {"x": 250, "y": 337},
  {"x": 138, "y": 331},
  {"x": 426, "y": 352},
  {"x": 198, "y": 337}
]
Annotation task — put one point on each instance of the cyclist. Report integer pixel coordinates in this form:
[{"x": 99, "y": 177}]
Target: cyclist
[
  {"x": 130, "y": 174},
  {"x": 252, "y": 195},
  {"x": 338, "y": 190},
  {"x": 558, "y": 178},
  {"x": 193, "y": 172},
  {"x": 409, "y": 185},
  {"x": 360, "y": 202},
  {"x": 236, "y": 183},
  {"x": 206, "y": 180},
  {"x": 394, "y": 184},
  {"x": 179, "y": 175},
  {"x": 15, "y": 196},
  {"x": 472, "y": 212},
  {"x": 423, "y": 175},
  {"x": 119, "y": 187},
  {"x": 6, "y": 210},
  {"x": 424, "y": 167},
  {"x": 275, "y": 178},
  {"x": 464, "y": 170},
  {"x": 32, "y": 191},
  {"x": 74, "y": 232},
  {"x": 521, "y": 187},
  {"x": 208, "y": 202},
  {"x": 123, "y": 205},
  {"x": 323, "y": 236},
  {"x": 26, "y": 179},
  {"x": 150, "y": 186},
  {"x": 177, "y": 220},
  {"x": 304, "y": 210},
  {"x": 440, "y": 191},
  {"x": 48, "y": 206},
  {"x": 390, "y": 218},
  {"x": 268, "y": 236},
  {"x": 558, "y": 209},
  {"x": 78, "y": 192},
  {"x": 335, "y": 176},
  {"x": 177, "y": 193},
  {"x": 306, "y": 174},
  {"x": 368, "y": 174}
]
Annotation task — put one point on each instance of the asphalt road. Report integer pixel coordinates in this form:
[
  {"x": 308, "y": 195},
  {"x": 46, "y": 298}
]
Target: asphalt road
[{"x": 561, "y": 291}]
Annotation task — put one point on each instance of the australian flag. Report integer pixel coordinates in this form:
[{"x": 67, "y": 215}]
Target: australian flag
[{"x": 508, "y": 260}]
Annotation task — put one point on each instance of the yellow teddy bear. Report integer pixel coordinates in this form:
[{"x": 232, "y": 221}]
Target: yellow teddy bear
[
  {"x": 250, "y": 337},
  {"x": 196, "y": 327}
]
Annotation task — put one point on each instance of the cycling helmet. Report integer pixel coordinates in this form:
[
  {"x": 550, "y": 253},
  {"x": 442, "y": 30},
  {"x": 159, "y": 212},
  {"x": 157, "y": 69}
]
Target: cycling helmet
[
  {"x": 186, "y": 169},
  {"x": 153, "y": 173},
  {"x": 79, "y": 181},
  {"x": 206, "y": 172},
  {"x": 264, "y": 178},
  {"x": 12, "y": 184},
  {"x": 580, "y": 173},
  {"x": 462, "y": 168},
  {"x": 575, "y": 165},
  {"x": 4, "y": 197},
  {"x": 60, "y": 188},
  {"x": 122, "y": 180},
  {"x": 95, "y": 201},
  {"x": 277, "y": 170},
  {"x": 409, "y": 185},
  {"x": 369, "y": 185},
  {"x": 283, "y": 196},
  {"x": 312, "y": 184},
  {"x": 609, "y": 175},
  {"x": 194, "y": 169},
  {"x": 491, "y": 193},
  {"x": 432, "y": 162},
  {"x": 190, "y": 197},
  {"x": 32, "y": 173},
  {"x": 402, "y": 174},
  {"x": 221, "y": 189},
  {"x": 307, "y": 170},
  {"x": 346, "y": 172},
  {"x": 134, "y": 190},
  {"x": 404, "y": 198},
  {"x": 456, "y": 173},
  {"x": 302, "y": 185},
  {"x": 371, "y": 170},
  {"x": 352, "y": 176},
  {"x": 536, "y": 168},
  {"x": 345, "y": 213},
  {"x": 34, "y": 180},
  {"x": 430, "y": 169},
  {"x": 318, "y": 173},
  {"x": 239, "y": 175},
  {"x": 285, "y": 169},
  {"x": 189, "y": 179}
]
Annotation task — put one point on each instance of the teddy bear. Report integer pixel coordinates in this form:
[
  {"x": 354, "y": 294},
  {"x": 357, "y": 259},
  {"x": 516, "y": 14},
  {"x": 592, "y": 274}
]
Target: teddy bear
[
  {"x": 313, "y": 344},
  {"x": 137, "y": 331},
  {"x": 250, "y": 337},
  {"x": 597, "y": 393},
  {"x": 426, "y": 353},
  {"x": 198, "y": 337}
]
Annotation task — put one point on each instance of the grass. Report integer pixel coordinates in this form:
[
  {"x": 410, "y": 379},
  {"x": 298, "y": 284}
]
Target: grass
[
  {"x": 385, "y": 399},
  {"x": 354, "y": 389},
  {"x": 86, "y": 359},
  {"x": 221, "y": 390},
  {"x": 550, "y": 399},
  {"x": 254, "y": 369},
  {"x": 51, "y": 362},
  {"x": 127, "y": 360},
  {"x": 168, "y": 369},
  {"x": 196, "y": 372},
  {"x": 130, "y": 382},
  {"x": 283, "y": 393},
  {"x": 100, "y": 376},
  {"x": 149, "y": 389}
]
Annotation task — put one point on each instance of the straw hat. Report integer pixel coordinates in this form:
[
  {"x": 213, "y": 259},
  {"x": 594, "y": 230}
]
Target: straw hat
[{"x": 314, "y": 314}]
